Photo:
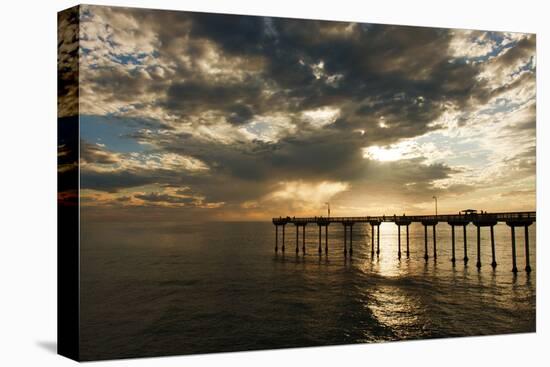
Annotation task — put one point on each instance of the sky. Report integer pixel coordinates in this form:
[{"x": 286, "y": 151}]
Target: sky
[{"x": 224, "y": 117}]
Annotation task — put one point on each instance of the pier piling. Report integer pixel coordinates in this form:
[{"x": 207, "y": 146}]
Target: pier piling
[
  {"x": 525, "y": 222},
  {"x": 478, "y": 263},
  {"x": 454, "y": 222},
  {"x": 378, "y": 239},
  {"x": 276, "y": 238},
  {"x": 345, "y": 238},
  {"x": 283, "y": 244},
  {"x": 297, "y": 230},
  {"x": 426, "y": 223},
  {"x": 372, "y": 240},
  {"x": 483, "y": 219},
  {"x": 320, "y": 251},
  {"x": 304, "y": 239},
  {"x": 425, "y": 242},
  {"x": 326, "y": 239},
  {"x": 527, "y": 265},
  {"x": 407, "y": 240},
  {"x": 453, "y": 258},
  {"x": 493, "y": 253},
  {"x": 465, "y": 244},
  {"x": 514, "y": 267},
  {"x": 435, "y": 243},
  {"x": 351, "y": 239},
  {"x": 399, "y": 241}
]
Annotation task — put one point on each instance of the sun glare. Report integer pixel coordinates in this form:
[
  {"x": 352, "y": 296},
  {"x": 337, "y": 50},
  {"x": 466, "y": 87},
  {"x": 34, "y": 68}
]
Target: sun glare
[{"x": 385, "y": 154}]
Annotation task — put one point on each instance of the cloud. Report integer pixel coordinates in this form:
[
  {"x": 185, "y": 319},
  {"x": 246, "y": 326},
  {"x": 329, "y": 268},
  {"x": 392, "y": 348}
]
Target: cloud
[
  {"x": 257, "y": 112},
  {"x": 67, "y": 62},
  {"x": 96, "y": 158},
  {"x": 407, "y": 149},
  {"x": 240, "y": 114},
  {"x": 111, "y": 171},
  {"x": 148, "y": 196},
  {"x": 300, "y": 195}
]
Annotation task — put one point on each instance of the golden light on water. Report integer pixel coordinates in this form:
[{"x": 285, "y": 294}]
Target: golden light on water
[{"x": 395, "y": 308}]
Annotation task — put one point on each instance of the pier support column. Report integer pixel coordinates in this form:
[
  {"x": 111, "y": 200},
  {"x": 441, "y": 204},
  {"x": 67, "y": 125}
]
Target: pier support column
[
  {"x": 465, "y": 244},
  {"x": 297, "y": 230},
  {"x": 345, "y": 239},
  {"x": 435, "y": 243},
  {"x": 304, "y": 239},
  {"x": 372, "y": 240},
  {"x": 407, "y": 240},
  {"x": 326, "y": 239},
  {"x": 378, "y": 240},
  {"x": 398, "y": 241},
  {"x": 494, "y": 263},
  {"x": 320, "y": 251},
  {"x": 425, "y": 242},
  {"x": 283, "y": 245},
  {"x": 276, "y": 238},
  {"x": 453, "y": 258},
  {"x": 350, "y": 240},
  {"x": 514, "y": 267},
  {"x": 478, "y": 264},
  {"x": 527, "y": 265}
]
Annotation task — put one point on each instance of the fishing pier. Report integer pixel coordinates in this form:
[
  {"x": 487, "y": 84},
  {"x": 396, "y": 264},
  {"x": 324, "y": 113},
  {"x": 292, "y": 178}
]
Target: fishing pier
[{"x": 479, "y": 220}]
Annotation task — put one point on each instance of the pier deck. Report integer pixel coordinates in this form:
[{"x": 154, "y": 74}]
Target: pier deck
[
  {"x": 449, "y": 218},
  {"x": 480, "y": 220}
]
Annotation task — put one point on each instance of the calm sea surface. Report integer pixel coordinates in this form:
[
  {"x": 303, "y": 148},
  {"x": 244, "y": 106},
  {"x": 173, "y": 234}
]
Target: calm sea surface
[{"x": 161, "y": 289}]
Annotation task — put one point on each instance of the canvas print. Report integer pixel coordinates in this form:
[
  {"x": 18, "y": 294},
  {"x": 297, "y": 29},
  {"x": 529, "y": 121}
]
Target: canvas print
[{"x": 233, "y": 183}]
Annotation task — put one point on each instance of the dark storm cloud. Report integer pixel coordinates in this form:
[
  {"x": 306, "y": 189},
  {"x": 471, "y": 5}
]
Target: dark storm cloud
[
  {"x": 115, "y": 181},
  {"x": 388, "y": 83},
  {"x": 240, "y": 114},
  {"x": 67, "y": 62},
  {"x": 91, "y": 153},
  {"x": 372, "y": 62},
  {"x": 523, "y": 79},
  {"x": 308, "y": 156},
  {"x": 376, "y": 62},
  {"x": 121, "y": 85},
  {"x": 105, "y": 170},
  {"x": 236, "y": 33},
  {"x": 523, "y": 49},
  {"x": 527, "y": 124},
  {"x": 234, "y": 176},
  {"x": 524, "y": 161},
  {"x": 189, "y": 97},
  {"x": 409, "y": 176},
  {"x": 254, "y": 169}
]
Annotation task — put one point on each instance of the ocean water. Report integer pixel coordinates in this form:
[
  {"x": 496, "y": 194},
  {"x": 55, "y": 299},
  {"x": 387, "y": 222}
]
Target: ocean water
[{"x": 151, "y": 289}]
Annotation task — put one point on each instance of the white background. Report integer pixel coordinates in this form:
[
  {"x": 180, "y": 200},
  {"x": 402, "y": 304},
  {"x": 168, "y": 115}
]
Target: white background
[{"x": 28, "y": 182}]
